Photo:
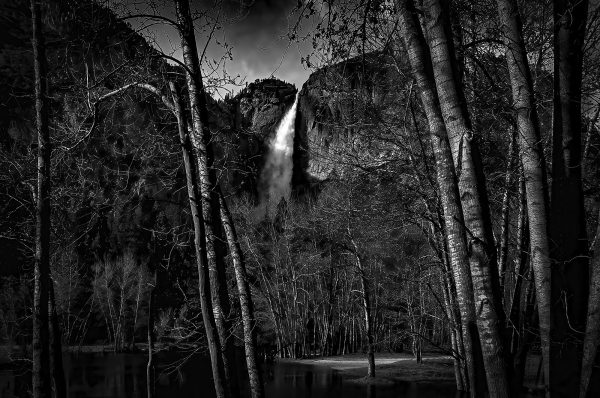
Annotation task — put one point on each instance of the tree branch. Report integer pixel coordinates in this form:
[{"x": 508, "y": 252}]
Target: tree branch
[
  {"x": 150, "y": 16},
  {"x": 146, "y": 86}
]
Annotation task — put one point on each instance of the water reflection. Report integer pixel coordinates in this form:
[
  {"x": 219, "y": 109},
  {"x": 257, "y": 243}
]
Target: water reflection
[
  {"x": 123, "y": 376},
  {"x": 292, "y": 380}
]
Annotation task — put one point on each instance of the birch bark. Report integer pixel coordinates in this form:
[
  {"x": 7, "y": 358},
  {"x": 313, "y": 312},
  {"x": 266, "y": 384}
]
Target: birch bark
[
  {"x": 245, "y": 295},
  {"x": 473, "y": 196},
  {"x": 208, "y": 189},
  {"x": 214, "y": 344},
  {"x": 418, "y": 56},
  {"x": 534, "y": 164}
]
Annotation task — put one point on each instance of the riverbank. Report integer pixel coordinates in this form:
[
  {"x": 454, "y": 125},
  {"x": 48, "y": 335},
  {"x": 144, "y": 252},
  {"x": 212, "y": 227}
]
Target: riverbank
[{"x": 389, "y": 368}]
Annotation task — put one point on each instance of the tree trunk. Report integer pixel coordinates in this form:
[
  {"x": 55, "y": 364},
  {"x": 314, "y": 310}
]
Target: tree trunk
[
  {"x": 521, "y": 270},
  {"x": 364, "y": 284},
  {"x": 527, "y": 333},
  {"x": 368, "y": 320},
  {"x": 56, "y": 360},
  {"x": 248, "y": 320},
  {"x": 453, "y": 315},
  {"x": 520, "y": 306},
  {"x": 41, "y": 345},
  {"x": 202, "y": 143},
  {"x": 534, "y": 166},
  {"x": 150, "y": 372},
  {"x": 471, "y": 185},
  {"x": 416, "y": 48},
  {"x": 592, "y": 331},
  {"x": 214, "y": 345},
  {"x": 569, "y": 249},
  {"x": 450, "y": 306},
  {"x": 455, "y": 338},
  {"x": 505, "y": 212},
  {"x": 438, "y": 243}
]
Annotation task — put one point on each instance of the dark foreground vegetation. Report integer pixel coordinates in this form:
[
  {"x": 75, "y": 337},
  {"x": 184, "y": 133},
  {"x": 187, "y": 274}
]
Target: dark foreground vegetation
[{"x": 443, "y": 192}]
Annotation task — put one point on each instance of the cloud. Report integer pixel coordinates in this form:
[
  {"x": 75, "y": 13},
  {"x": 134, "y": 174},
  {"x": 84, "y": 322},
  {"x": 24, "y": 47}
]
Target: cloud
[
  {"x": 258, "y": 35},
  {"x": 256, "y": 31}
]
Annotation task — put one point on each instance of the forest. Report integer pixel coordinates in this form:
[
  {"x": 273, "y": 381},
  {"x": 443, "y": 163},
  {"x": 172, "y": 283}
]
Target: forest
[{"x": 419, "y": 216}]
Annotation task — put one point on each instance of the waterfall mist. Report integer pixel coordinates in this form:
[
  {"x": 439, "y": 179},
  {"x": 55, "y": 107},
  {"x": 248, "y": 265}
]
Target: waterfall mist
[{"x": 276, "y": 176}]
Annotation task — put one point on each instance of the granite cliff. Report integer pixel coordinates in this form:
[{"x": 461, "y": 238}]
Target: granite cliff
[{"x": 346, "y": 114}]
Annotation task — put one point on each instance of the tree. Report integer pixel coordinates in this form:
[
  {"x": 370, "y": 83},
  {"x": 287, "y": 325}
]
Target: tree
[
  {"x": 41, "y": 303},
  {"x": 150, "y": 368},
  {"x": 416, "y": 48},
  {"x": 569, "y": 249},
  {"x": 214, "y": 344},
  {"x": 118, "y": 286},
  {"x": 532, "y": 159},
  {"x": 209, "y": 197},
  {"x": 245, "y": 296},
  {"x": 473, "y": 194},
  {"x": 592, "y": 337},
  {"x": 367, "y": 305}
]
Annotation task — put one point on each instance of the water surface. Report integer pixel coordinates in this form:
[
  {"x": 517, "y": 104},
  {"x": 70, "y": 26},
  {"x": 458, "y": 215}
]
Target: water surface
[{"x": 124, "y": 376}]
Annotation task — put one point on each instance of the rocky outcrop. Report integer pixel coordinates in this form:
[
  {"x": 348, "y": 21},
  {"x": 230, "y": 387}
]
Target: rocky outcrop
[
  {"x": 253, "y": 115},
  {"x": 345, "y": 112},
  {"x": 260, "y": 106}
]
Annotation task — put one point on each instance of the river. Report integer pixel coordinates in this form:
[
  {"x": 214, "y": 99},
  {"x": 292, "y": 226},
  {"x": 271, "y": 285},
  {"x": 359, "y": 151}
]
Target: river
[{"x": 124, "y": 376}]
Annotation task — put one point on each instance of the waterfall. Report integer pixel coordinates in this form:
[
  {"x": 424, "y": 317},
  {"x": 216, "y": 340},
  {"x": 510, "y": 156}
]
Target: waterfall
[{"x": 277, "y": 172}]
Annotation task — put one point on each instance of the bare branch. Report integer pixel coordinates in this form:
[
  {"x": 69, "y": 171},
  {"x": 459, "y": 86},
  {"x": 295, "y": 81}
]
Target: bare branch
[
  {"x": 151, "y": 16},
  {"x": 146, "y": 86}
]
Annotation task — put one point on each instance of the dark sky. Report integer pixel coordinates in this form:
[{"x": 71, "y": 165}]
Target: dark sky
[{"x": 256, "y": 30}]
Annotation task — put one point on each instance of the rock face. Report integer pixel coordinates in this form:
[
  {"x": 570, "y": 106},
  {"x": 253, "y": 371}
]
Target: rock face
[
  {"x": 261, "y": 105},
  {"x": 124, "y": 180},
  {"x": 254, "y": 114},
  {"x": 344, "y": 113}
]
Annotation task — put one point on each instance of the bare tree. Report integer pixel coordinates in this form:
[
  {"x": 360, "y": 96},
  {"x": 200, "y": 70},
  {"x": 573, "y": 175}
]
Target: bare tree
[
  {"x": 245, "y": 295},
  {"x": 473, "y": 194},
  {"x": 532, "y": 159},
  {"x": 41, "y": 325},
  {"x": 569, "y": 249},
  {"x": 209, "y": 196},
  {"x": 416, "y": 47},
  {"x": 214, "y": 344},
  {"x": 366, "y": 303}
]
